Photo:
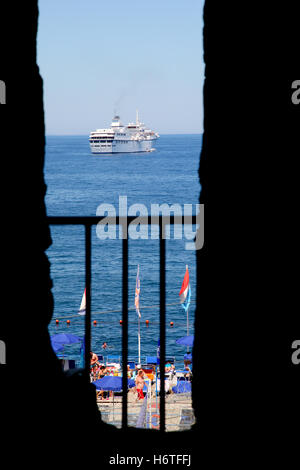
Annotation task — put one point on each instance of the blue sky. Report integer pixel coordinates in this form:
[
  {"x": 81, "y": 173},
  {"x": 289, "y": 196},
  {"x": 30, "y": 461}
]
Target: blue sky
[{"x": 97, "y": 57}]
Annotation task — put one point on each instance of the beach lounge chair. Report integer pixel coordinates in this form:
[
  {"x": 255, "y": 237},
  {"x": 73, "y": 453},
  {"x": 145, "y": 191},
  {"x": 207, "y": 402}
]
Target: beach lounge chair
[
  {"x": 113, "y": 358},
  {"x": 182, "y": 387},
  {"x": 151, "y": 360},
  {"x": 100, "y": 357}
]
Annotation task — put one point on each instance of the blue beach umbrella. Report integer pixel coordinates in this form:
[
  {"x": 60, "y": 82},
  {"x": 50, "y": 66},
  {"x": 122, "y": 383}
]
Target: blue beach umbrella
[
  {"x": 58, "y": 341},
  {"x": 65, "y": 338},
  {"x": 112, "y": 383},
  {"x": 186, "y": 340},
  {"x": 56, "y": 346}
]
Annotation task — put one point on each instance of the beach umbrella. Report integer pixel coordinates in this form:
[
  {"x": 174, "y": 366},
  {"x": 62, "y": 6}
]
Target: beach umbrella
[
  {"x": 186, "y": 340},
  {"x": 112, "y": 383},
  {"x": 58, "y": 341},
  {"x": 65, "y": 338},
  {"x": 56, "y": 346}
]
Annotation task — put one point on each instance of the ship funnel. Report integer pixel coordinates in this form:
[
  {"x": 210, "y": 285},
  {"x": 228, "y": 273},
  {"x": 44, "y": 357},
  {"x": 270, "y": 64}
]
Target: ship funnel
[{"x": 116, "y": 122}]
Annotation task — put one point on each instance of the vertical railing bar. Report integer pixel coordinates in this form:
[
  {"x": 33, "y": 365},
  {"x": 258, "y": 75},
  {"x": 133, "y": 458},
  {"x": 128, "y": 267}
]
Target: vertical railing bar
[
  {"x": 124, "y": 329},
  {"x": 88, "y": 299},
  {"x": 162, "y": 323}
]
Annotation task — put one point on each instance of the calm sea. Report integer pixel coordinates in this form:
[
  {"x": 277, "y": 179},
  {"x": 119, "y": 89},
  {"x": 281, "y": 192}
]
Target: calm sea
[{"x": 77, "y": 183}]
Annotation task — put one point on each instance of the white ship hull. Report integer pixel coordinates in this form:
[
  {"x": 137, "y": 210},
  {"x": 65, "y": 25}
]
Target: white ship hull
[{"x": 126, "y": 147}]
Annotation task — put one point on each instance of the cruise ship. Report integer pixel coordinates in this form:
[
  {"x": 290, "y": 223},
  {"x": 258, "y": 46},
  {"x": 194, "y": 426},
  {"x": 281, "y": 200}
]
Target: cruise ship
[{"x": 134, "y": 137}]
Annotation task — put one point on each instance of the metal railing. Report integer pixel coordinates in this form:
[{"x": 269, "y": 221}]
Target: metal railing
[{"x": 162, "y": 222}]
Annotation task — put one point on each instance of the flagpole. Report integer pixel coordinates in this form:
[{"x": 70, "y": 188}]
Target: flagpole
[
  {"x": 187, "y": 325},
  {"x": 139, "y": 340},
  {"x": 187, "y": 318},
  {"x": 137, "y": 306}
]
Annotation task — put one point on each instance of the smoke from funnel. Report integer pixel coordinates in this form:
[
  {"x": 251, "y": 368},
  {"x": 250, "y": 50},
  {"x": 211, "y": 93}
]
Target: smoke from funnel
[{"x": 118, "y": 102}]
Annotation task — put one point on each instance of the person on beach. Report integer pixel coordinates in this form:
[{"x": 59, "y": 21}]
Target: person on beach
[
  {"x": 139, "y": 383},
  {"x": 94, "y": 362},
  {"x": 129, "y": 373},
  {"x": 94, "y": 358},
  {"x": 188, "y": 372},
  {"x": 102, "y": 372},
  {"x": 172, "y": 374}
]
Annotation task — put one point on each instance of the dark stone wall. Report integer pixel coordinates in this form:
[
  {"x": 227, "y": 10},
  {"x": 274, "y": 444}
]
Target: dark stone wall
[{"x": 41, "y": 407}]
